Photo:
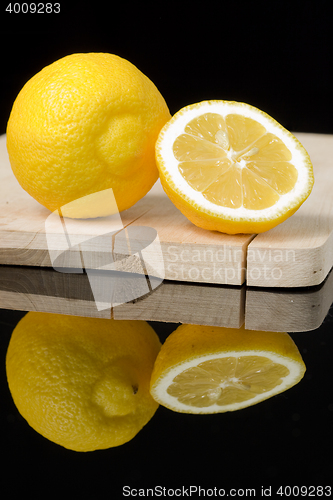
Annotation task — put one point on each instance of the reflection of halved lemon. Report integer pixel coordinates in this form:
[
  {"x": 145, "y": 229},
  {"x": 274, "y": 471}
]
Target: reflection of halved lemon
[
  {"x": 230, "y": 167},
  {"x": 203, "y": 369}
]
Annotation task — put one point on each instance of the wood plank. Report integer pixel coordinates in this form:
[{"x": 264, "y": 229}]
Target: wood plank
[
  {"x": 288, "y": 310},
  {"x": 43, "y": 289},
  {"x": 193, "y": 254},
  {"x": 22, "y": 220},
  {"x": 299, "y": 252},
  {"x": 214, "y": 305},
  {"x": 189, "y": 253}
]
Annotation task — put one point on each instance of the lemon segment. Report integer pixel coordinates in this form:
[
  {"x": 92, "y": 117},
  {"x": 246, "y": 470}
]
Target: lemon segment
[
  {"x": 230, "y": 167},
  {"x": 214, "y": 370}
]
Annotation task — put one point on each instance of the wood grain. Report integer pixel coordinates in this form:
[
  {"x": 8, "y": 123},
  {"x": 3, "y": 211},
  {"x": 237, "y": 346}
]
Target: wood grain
[
  {"x": 298, "y": 252},
  {"x": 288, "y": 310},
  {"x": 190, "y": 254},
  {"x": 45, "y": 290}
]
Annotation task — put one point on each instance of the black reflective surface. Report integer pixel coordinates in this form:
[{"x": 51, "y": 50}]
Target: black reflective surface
[{"x": 285, "y": 440}]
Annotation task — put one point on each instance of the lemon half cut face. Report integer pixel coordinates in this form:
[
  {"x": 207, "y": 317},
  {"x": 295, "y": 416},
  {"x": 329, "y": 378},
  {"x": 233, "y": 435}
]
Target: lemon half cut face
[{"x": 230, "y": 167}]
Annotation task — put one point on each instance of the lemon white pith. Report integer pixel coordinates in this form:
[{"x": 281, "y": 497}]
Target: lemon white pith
[
  {"x": 211, "y": 393},
  {"x": 231, "y": 167}
]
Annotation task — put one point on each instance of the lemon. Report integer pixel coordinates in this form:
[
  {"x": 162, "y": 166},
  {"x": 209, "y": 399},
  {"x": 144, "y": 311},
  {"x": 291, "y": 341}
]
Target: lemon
[
  {"x": 82, "y": 383},
  {"x": 229, "y": 167},
  {"x": 82, "y": 125},
  {"x": 203, "y": 369}
]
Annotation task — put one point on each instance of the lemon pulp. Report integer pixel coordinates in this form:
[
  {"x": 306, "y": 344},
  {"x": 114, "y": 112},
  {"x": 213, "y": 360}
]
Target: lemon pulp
[
  {"x": 227, "y": 380},
  {"x": 85, "y": 124},
  {"x": 233, "y": 161}
]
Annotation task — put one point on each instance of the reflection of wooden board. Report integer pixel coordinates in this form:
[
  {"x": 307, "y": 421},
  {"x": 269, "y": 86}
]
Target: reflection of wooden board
[
  {"x": 299, "y": 252},
  {"x": 46, "y": 290},
  {"x": 286, "y": 310},
  {"x": 189, "y": 303}
]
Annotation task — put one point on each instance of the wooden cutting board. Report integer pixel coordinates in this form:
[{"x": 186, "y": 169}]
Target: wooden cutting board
[
  {"x": 294, "y": 310},
  {"x": 298, "y": 252}
]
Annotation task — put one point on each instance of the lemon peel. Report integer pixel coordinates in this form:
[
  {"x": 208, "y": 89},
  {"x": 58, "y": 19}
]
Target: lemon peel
[
  {"x": 86, "y": 123},
  {"x": 230, "y": 167}
]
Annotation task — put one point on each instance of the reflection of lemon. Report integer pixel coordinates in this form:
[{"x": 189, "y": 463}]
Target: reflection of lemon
[
  {"x": 202, "y": 369},
  {"x": 86, "y": 123},
  {"x": 83, "y": 383},
  {"x": 232, "y": 168}
]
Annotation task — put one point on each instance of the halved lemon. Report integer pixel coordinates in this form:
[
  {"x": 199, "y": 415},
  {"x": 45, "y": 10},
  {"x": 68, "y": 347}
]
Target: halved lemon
[
  {"x": 203, "y": 369},
  {"x": 228, "y": 166}
]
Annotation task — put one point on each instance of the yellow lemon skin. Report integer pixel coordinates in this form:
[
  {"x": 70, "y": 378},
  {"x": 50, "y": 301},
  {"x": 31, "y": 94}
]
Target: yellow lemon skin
[
  {"x": 209, "y": 155},
  {"x": 86, "y": 123},
  {"x": 82, "y": 383},
  {"x": 190, "y": 346},
  {"x": 192, "y": 341}
]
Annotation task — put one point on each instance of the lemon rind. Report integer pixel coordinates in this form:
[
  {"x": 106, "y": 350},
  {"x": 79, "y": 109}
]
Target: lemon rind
[{"x": 169, "y": 173}]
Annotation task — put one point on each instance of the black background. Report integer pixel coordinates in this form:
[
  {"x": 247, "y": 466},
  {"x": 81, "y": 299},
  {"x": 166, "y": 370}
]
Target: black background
[{"x": 276, "y": 56}]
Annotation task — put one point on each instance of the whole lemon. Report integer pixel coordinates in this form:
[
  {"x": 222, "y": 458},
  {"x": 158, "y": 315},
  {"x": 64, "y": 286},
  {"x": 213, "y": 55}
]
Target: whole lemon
[
  {"x": 83, "y": 383},
  {"x": 84, "y": 124}
]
